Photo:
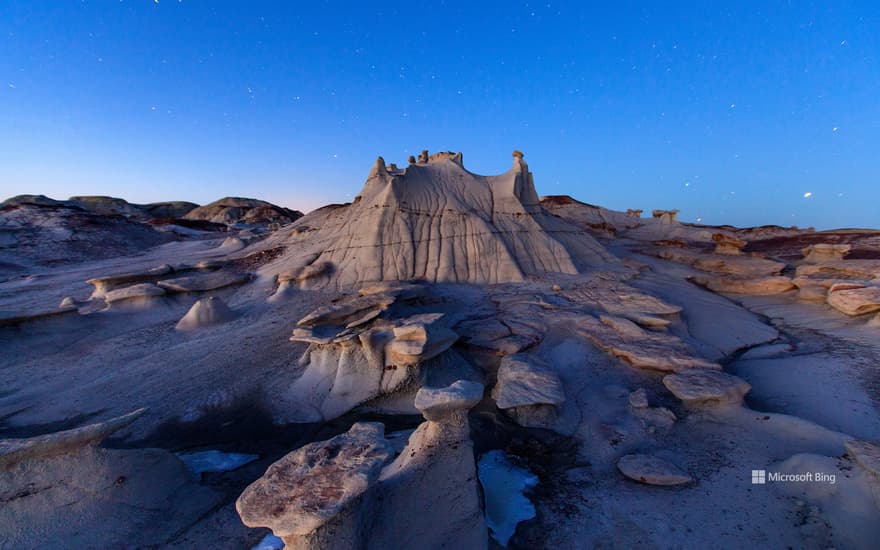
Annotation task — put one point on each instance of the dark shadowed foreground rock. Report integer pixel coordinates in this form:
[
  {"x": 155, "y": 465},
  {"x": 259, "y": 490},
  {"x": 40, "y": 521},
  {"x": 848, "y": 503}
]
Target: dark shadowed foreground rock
[
  {"x": 336, "y": 495},
  {"x": 319, "y": 496},
  {"x": 651, "y": 470},
  {"x": 62, "y": 490},
  {"x": 16, "y": 450}
]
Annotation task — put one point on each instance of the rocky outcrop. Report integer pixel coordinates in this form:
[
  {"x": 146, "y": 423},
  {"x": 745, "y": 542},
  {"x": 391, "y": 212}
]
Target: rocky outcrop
[
  {"x": 321, "y": 495},
  {"x": 63, "y": 490},
  {"x": 841, "y": 269},
  {"x": 639, "y": 347},
  {"x": 634, "y": 212},
  {"x": 141, "y": 293},
  {"x": 666, "y": 217},
  {"x": 237, "y": 210},
  {"x": 354, "y": 355},
  {"x": 759, "y": 286},
  {"x": 823, "y": 252},
  {"x": 205, "y": 281},
  {"x": 727, "y": 244},
  {"x": 707, "y": 387},
  {"x": 652, "y": 470},
  {"x": 204, "y": 313},
  {"x": 436, "y": 221},
  {"x": 854, "y": 299}
]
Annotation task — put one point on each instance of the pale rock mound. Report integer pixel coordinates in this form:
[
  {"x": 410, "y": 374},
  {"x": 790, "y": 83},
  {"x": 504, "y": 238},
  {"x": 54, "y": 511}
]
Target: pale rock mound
[
  {"x": 205, "y": 312},
  {"x": 320, "y": 495},
  {"x": 652, "y": 470},
  {"x": 235, "y": 210},
  {"x": 824, "y": 252},
  {"x": 437, "y": 221},
  {"x": 700, "y": 386}
]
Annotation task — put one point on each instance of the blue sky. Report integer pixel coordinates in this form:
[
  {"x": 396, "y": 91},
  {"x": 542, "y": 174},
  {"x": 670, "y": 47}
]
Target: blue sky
[{"x": 731, "y": 113}]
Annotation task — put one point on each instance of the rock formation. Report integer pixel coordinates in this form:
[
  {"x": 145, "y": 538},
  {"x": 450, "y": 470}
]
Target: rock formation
[
  {"x": 204, "y": 313},
  {"x": 236, "y": 210},
  {"x": 340, "y": 493},
  {"x": 439, "y": 222},
  {"x": 823, "y": 252}
]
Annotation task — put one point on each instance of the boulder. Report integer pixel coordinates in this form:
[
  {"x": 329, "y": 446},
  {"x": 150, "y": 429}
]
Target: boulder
[
  {"x": 205, "y": 312},
  {"x": 522, "y": 381},
  {"x": 652, "y": 470},
  {"x": 437, "y": 404},
  {"x": 854, "y": 301},
  {"x": 701, "y": 386},
  {"x": 824, "y": 252},
  {"x": 634, "y": 212},
  {"x": 321, "y": 495},
  {"x": 638, "y": 399}
]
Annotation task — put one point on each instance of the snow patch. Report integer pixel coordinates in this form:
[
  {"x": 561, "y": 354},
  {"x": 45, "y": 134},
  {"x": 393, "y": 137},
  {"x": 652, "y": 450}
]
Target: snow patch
[
  {"x": 214, "y": 461},
  {"x": 504, "y": 487}
]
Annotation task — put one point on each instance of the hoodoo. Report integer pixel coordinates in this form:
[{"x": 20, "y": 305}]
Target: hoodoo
[{"x": 435, "y": 220}]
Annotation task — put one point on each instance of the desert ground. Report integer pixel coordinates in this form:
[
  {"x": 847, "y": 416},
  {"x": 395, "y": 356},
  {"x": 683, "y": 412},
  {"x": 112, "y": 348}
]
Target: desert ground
[{"x": 449, "y": 361}]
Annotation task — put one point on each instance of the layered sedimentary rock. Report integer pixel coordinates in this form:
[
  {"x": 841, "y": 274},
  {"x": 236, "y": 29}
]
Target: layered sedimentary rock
[
  {"x": 354, "y": 355},
  {"x": 437, "y": 221}
]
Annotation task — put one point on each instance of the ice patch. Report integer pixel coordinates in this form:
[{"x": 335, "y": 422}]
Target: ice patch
[
  {"x": 504, "y": 488},
  {"x": 215, "y": 461},
  {"x": 269, "y": 542}
]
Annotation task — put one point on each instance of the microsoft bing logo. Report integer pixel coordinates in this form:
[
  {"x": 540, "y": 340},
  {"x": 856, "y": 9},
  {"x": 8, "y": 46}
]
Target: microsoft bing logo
[{"x": 759, "y": 477}]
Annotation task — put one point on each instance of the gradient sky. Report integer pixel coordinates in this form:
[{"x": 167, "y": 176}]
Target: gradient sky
[{"x": 730, "y": 112}]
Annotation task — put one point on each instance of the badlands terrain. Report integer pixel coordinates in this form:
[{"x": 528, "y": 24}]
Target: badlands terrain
[{"x": 449, "y": 361}]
